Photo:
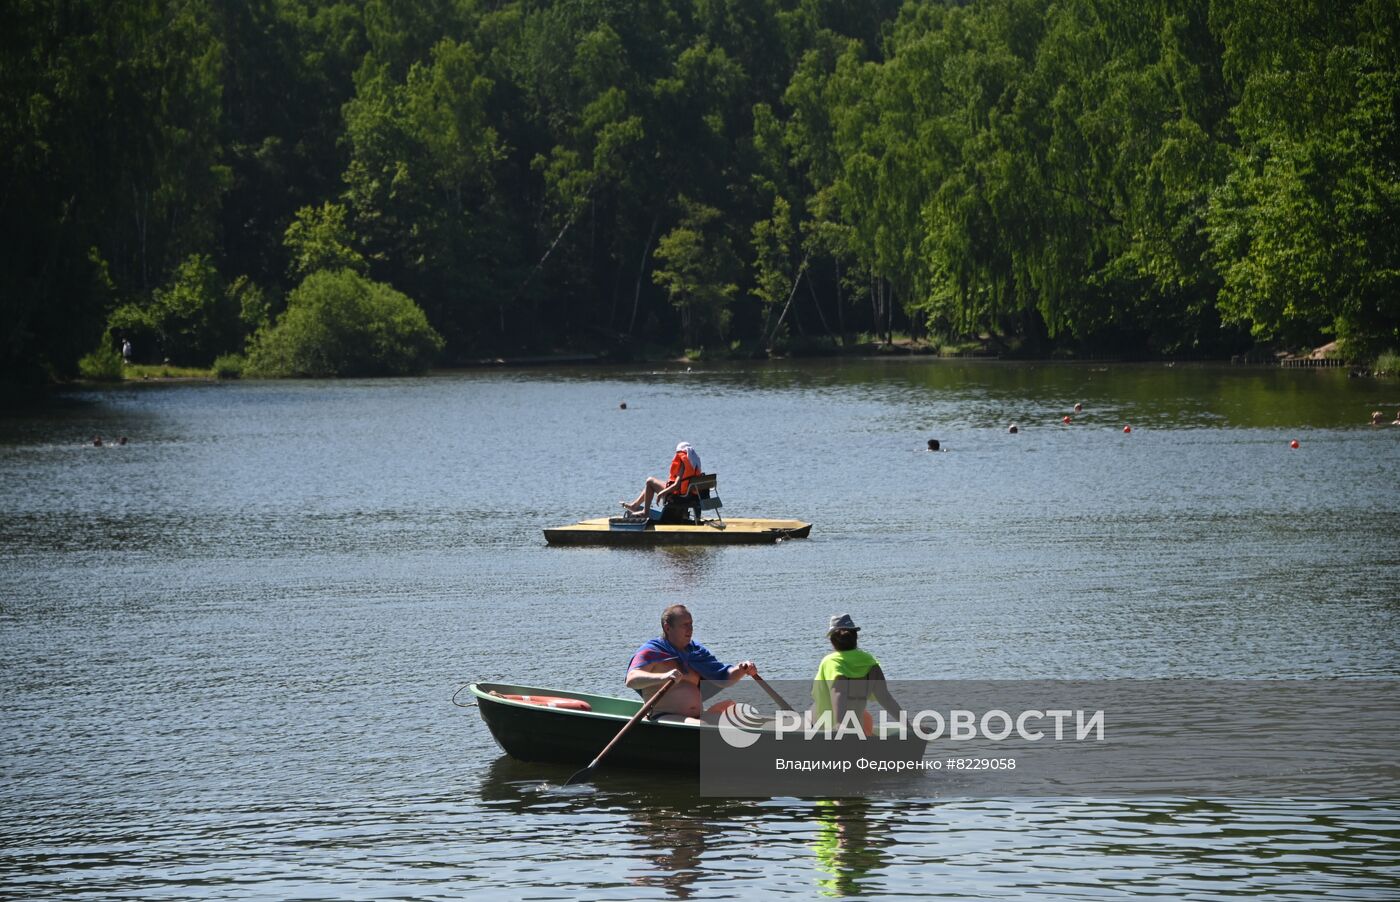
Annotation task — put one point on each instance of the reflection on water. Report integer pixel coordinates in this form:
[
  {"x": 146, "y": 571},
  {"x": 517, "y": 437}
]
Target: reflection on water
[
  {"x": 679, "y": 837},
  {"x": 227, "y": 650},
  {"x": 677, "y": 841},
  {"x": 687, "y": 566},
  {"x": 661, "y": 837},
  {"x": 849, "y": 846},
  {"x": 668, "y": 826}
]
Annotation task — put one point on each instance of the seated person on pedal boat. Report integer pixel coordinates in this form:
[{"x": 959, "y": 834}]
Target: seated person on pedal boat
[
  {"x": 848, "y": 678},
  {"x": 685, "y": 466},
  {"x": 700, "y": 673}
]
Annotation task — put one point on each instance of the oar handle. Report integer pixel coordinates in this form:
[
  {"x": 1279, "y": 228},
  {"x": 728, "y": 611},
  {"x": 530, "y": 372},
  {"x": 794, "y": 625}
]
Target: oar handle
[
  {"x": 773, "y": 693},
  {"x": 641, "y": 712}
]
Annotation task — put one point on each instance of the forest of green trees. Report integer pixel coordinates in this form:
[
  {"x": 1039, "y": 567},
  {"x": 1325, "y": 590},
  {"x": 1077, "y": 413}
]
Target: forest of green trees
[{"x": 1127, "y": 177}]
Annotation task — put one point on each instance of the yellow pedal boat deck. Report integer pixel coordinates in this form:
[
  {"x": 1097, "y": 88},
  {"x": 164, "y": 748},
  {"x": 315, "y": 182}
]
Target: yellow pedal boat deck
[{"x": 733, "y": 531}]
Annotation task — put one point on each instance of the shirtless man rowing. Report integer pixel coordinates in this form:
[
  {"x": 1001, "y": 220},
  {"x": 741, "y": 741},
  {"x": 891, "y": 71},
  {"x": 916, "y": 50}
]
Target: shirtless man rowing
[{"x": 675, "y": 654}]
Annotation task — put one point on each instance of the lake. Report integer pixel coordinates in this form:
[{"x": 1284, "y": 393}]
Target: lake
[{"x": 230, "y": 647}]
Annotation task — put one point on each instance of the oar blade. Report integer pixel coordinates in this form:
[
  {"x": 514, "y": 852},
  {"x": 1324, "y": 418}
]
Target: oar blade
[
  {"x": 641, "y": 712},
  {"x": 581, "y": 777}
]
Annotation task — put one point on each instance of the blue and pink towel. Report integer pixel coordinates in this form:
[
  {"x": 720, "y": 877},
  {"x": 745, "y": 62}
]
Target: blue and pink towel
[{"x": 695, "y": 657}]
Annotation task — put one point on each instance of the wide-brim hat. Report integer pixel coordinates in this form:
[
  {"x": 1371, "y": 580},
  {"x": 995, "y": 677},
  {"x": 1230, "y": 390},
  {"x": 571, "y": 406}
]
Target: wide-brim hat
[{"x": 842, "y": 622}]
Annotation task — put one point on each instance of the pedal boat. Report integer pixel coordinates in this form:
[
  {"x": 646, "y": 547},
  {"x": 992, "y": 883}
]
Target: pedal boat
[
  {"x": 637, "y": 532},
  {"x": 684, "y": 522}
]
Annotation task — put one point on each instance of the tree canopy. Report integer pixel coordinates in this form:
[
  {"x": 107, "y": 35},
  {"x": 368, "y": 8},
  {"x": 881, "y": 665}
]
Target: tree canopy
[{"x": 1183, "y": 177}]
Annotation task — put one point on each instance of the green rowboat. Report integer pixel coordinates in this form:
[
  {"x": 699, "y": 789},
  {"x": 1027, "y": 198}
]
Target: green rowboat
[{"x": 533, "y": 732}]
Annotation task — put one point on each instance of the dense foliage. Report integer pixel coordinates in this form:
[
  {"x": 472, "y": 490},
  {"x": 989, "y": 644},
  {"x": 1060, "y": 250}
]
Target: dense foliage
[
  {"x": 1178, "y": 177},
  {"x": 338, "y": 323}
]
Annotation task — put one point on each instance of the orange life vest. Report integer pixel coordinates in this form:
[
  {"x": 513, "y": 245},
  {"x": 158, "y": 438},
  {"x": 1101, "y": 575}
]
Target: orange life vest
[{"x": 683, "y": 469}]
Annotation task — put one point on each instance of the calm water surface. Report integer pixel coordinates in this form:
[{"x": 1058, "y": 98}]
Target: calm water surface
[{"x": 229, "y": 648}]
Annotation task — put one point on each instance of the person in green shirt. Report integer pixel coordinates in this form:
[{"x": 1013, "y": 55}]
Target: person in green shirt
[{"x": 848, "y": 678}]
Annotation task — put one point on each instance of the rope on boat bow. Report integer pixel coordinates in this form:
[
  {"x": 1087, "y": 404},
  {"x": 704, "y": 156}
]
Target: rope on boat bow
[{"x": 470, "y": 704}]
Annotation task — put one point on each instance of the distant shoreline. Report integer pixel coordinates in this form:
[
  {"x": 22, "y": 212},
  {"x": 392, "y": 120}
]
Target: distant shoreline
[{"x": 153, "y": 374}]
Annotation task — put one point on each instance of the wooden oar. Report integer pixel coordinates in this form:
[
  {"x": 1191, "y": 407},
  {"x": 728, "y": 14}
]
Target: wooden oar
[
  {"x": 641, "y": 712},
  {"x": 773, "y": 693}
]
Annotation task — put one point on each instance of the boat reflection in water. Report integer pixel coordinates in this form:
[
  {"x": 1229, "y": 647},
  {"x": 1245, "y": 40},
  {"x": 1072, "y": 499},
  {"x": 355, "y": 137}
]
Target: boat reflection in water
[
  {"x": 632, "y": 832},
  {"x": 675, "y": 843},
  {"x": 678, "y": 837},
  {"x": 671, "y": 827},
  {"x": 850, "y": 846},
  {"x": 688, "y": 565}
]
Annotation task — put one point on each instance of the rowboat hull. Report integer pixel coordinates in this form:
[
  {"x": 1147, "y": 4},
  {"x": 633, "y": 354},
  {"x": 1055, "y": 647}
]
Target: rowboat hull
[
  {"x": 733, "y": 531},
  {"x": 534, "y": 733}
]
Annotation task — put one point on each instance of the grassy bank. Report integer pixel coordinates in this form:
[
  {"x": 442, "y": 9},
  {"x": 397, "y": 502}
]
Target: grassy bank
[{"x": 142, "y": 372}]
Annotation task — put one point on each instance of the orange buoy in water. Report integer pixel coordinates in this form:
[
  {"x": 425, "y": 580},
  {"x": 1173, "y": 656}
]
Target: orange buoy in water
[
  {"x": 1065, "y": 420},
  {"x": 1293, "y": 444},
  {"x": 1127, "y": 429}
]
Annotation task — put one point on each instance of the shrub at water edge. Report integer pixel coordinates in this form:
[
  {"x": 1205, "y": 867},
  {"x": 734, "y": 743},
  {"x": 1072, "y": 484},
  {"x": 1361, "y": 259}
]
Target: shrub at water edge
[
  {"x": 338, "y": 323},
  {"x": 229, "y": 366},
  {"x": 102, "y": 365},
  {"x": 1387, "y": 364}
]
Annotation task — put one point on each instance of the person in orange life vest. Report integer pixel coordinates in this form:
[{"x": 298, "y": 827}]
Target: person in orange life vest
[
  {"x": 684, "y": 467},
  {"x": 676, "y": 654}
]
